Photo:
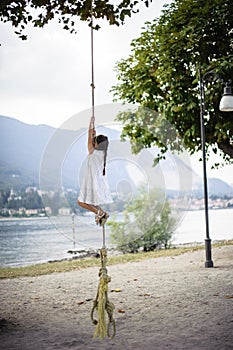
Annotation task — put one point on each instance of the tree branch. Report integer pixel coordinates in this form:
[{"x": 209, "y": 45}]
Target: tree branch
[
  {"x": 5, "y": 3},
  {"x": 226, "y": 147}
]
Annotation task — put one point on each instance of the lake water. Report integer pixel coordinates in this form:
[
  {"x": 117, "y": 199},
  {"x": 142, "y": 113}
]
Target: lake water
[{"x": 31, "y": 241}]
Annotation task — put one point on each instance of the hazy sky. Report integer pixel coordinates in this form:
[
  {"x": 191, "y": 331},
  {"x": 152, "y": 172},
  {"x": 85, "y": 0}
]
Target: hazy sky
[{"x": 46, "y": 79}]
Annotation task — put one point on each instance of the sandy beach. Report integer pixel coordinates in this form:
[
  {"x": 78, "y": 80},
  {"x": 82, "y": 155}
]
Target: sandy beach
[{"x": 164, "y": 303}]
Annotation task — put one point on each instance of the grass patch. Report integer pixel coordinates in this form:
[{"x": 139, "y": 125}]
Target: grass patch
[{"x": 71, "y": 265}]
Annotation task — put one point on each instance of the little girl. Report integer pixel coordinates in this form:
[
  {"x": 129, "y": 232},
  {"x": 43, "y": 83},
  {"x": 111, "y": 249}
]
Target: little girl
[{"x": 94, "y": 189}]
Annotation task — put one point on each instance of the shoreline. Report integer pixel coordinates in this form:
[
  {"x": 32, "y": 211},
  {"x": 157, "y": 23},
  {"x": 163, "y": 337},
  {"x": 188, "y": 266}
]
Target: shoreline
[
  {"x": 114, "y": 259},
  {"x": 2, "y": 218},
  {"x": 32, "y": 249},
  {"x": 88, "y": 253}
]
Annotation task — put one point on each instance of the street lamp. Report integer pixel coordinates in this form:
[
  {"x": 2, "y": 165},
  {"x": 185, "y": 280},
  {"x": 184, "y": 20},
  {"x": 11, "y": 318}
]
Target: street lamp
[{"x": 226, "y": 105}]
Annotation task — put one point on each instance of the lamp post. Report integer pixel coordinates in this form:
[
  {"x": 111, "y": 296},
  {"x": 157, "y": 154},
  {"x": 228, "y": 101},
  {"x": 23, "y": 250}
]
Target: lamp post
[{"x": 226, "y": 105}]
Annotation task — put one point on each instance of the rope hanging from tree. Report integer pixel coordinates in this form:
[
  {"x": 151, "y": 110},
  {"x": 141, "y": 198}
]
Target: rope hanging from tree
[
  {"x": 101, "y": 304},
  {"x": 92, "y": 69}
]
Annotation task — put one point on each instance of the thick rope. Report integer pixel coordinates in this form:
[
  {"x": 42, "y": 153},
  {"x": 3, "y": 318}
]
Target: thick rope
[
  {"x": 92, "y": 67},
  {"x": 101, "y": 303}
]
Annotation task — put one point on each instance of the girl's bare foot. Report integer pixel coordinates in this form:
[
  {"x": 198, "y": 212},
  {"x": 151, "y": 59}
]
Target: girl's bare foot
[
  {"x": 104, "y": 219},
  {"x": 101, "y": 217}
]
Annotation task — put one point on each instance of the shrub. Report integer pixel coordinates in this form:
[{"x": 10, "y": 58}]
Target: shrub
[{"x": 148, "y": 223}]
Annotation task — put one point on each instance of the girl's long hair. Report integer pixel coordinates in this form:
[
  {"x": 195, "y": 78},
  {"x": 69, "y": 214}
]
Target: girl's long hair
[{"x": 102, "y": 142}]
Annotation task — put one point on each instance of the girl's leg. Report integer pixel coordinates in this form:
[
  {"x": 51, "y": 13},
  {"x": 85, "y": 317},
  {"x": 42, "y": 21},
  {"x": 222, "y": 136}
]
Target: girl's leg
[
  {"x": 100, "y": 214},
  {"x": 88, "y": 207}
]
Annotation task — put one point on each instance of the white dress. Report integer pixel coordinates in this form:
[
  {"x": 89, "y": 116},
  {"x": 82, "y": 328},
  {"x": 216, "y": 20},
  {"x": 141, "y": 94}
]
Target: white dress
[{"x": 95, "y": 188}]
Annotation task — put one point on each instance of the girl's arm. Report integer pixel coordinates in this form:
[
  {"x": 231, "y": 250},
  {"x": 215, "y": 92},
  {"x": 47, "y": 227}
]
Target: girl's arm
[{"x": 91, "y": 135}]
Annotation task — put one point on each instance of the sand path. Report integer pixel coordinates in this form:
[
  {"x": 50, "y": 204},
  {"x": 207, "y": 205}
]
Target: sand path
[{"x": 164, "y": 303}]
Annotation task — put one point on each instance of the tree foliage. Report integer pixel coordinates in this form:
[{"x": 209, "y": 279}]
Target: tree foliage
[
  {"x": 148, "y": 223},
  {"x": 162, "y": 75},
  {"x": 27, "y": 200},
  {"x": 41, "y": 12}
]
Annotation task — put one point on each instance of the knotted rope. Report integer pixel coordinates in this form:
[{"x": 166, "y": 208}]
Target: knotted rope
[{"x": 101, "y": 303}]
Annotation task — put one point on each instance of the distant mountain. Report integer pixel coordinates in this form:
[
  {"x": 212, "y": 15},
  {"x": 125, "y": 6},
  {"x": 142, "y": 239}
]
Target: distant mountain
[
  {"x": 21, "y": 149},
  {"x": 217, "y": 187},
  {"x": 54, "y": 158},
  {"x": 33, "y": 155}
]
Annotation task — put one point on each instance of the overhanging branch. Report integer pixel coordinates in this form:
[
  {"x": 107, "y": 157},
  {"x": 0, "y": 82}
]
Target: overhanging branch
[{"x": 226, "y": 147}]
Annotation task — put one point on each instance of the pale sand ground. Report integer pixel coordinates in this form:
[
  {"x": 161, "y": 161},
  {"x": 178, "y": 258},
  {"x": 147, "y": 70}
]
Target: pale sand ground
[{"x": 168, "y": 303}]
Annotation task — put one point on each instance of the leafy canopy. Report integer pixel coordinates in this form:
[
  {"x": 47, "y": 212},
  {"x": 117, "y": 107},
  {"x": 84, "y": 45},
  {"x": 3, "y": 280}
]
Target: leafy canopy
[
  {"x": 162, "y": 75},
  {"x": 41, "y": 12}
]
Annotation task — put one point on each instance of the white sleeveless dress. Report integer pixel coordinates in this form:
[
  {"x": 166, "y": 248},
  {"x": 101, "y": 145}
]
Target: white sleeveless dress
[{"x": 95, "y": 187}]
